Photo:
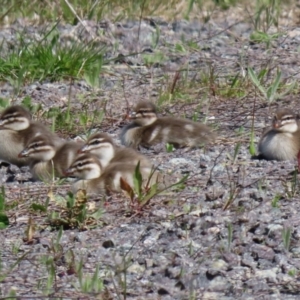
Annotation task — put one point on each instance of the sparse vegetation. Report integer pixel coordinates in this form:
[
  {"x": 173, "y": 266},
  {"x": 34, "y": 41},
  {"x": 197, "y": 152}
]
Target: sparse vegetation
[
  {"x": 146, "y": 188},
  {"x": 270, "y": 94},
  {"x": 4, "y": 222},
  {"x": 286, "y": 237},
  {"x": 78, "y": 54}
]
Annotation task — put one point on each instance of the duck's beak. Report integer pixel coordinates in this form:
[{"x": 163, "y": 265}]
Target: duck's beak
[
  {"x": 82, "y": 150},
  {"x": 276, "y": 124},
  {"x": 23, "y": 153},
  {"x": 132, "y": 116},
  {"x": 68, "y": 172}
]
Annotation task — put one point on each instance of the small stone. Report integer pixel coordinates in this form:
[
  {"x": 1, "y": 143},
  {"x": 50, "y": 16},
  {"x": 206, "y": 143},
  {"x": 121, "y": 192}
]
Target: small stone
[
  {"x": 262, "y": 251},
  {"x": 270, "y": 274},
  {"x": 136, "y": 268}
]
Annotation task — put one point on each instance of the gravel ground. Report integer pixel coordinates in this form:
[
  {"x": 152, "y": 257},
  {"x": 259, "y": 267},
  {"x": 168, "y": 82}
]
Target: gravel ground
[{"x": 219, "y": 238}]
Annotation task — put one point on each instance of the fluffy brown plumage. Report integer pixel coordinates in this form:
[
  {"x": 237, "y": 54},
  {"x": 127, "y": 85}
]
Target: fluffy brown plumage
[
  {"x": 281, "y": 141},
  {"x": 96, "y": 179},
  {"x": 103, "y": 146},
  {"x": 148, "y": 129},
  {"x": 16, "y": 129},
  {"x": 47, "y": 159}
]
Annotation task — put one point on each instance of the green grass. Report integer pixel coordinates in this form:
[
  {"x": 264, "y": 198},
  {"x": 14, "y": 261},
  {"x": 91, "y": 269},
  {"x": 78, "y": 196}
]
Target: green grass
[
  {"x": 73, "y": 11},
  {"x": 4, "y": 221},
  {"x": 267, "y": 12},
  {"x": 49, "y": 59}
]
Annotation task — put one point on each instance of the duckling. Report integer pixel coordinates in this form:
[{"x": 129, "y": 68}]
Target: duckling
[
  {"x": 103, "y": 146},
  {"x": 47, "y": 159},
  {"x": 148, "y": 129},
  {"x": 96, "y": 179},
  {"x": 282, "y": 140},
  {"x": 16, "y": 129}
]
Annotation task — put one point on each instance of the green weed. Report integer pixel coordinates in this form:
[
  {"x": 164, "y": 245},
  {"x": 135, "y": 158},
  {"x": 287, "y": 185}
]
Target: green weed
[
  {"x": 74, "y": 213},
  {"x": 286, "y": 237},
  {"x": 4, "y": 221},
  {"x": 271, "y": 93},
  {"x": 144, "y": 190},
  {"x": 50, "y": 59}
]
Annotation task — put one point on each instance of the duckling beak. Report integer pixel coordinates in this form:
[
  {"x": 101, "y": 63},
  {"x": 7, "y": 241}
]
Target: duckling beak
[
  {"x": 276, "y": 124},
  {"x": 132, "y": 116},
  {"x": 81, "y": 150},
  {"x": 84, "y": 149},
  {"x": 23, "y": 153},
  {"x": 68, "y": 172}
]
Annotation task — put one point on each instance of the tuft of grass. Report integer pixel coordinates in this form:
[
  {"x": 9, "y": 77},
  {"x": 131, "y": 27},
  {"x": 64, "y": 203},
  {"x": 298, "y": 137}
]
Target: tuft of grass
[
  {"x": 74, "y": 213},
  {"x": 88, "y": 283},
  {"x": 275, "y": 200},
  {"x": 263, "y": 37},
  {"x": 57, "y": 255},
  {"x": 286, "y": 237},
  {"x": 293, "y": 272},
  {"x": 74, "y": 11},
  {"x": 50, "y": 59},
  {"x": 71, "y": 121},
  {"x": 271, "y": 93},
  {"x": 144, "y": 190},
  {"x": 267, "y": 14},
  {"x": 225, "y": 4},
  {"x": 4, "y": 221},
  {"x": 169, "y": 147}
]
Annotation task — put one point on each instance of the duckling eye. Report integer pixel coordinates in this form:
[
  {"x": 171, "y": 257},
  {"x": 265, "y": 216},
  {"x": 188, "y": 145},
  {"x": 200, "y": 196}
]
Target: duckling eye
[
  {"x": 95, "y": 142},
  {"x": 288, "y": 118},
  {"x": 142, "y": 112},
  {"x": 79, "y": 164}
]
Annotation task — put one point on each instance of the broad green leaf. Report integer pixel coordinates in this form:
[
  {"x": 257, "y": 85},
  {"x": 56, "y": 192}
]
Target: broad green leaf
[
  {"x": 151, "y": 193},
  {"x": 256, "y": 82},
  {"x": 138, "y": 180},
  {"x": 262, "y": 74},
  {"x": 274, "y": 86},
  {"x": 289, "y": 88}
]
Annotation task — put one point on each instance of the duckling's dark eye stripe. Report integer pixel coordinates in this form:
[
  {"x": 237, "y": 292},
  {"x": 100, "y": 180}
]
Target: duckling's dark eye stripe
[
  {"x": 34, "y": 144},
  {"x": 93, "y": 142},
  {"x": 83, "y": 163},
  {"x": 288, "y": 118},
  {"x": 144, "y": 111}
]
